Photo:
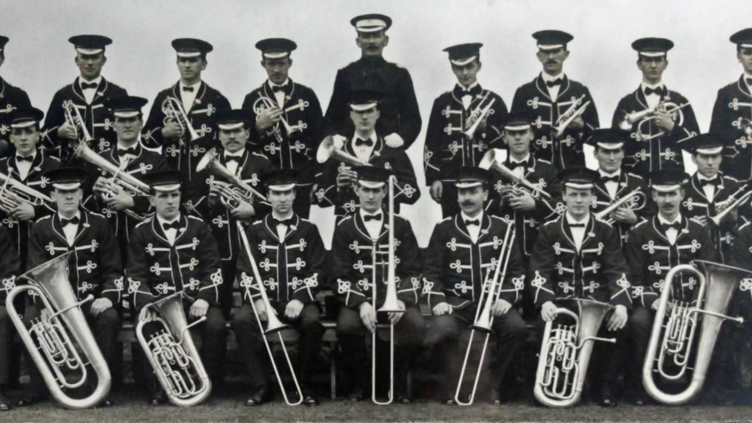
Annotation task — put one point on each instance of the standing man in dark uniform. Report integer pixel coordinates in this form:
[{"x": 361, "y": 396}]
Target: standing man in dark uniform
[
  {"x": 87, "y": 94},
  {"x": 281, "y": 104},
  {"x": 401, "y": 122},
  {"x": 10, "y": 264},
  {"x": 458, "y": 269},
  {"x": 551, "y": 96},
  {"x": 366, "y": 144},
  {"x": 732, "y": 113},
  {"x": 11, "y": 98},
  {"x": 454, "y": 113},
  {"x": 654, "y": 139},
  {"x": 360, "y": 250},
  {"x": 291, "y": 262},
  {"x": 200, "y": 103}
]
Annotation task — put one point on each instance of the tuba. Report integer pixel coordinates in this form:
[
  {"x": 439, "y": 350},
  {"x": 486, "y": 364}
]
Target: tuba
[
  {"x": 673, "y": 346},
  {"x": 565, "y": 354},
  {"x": 172, "y": 108},
  {"x": 14, "y": 193},
  {"x": 231, "y": 196},
  {"x": 172, "y": 353},
  {"x": 55, "y": 354},
  {"x": 74, "y": 119},
  {"x": 328, "y": 150}
]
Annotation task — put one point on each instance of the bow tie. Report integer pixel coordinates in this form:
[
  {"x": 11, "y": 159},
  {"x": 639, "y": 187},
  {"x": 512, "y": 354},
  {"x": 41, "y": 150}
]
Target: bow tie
[
  {"x": 285, "y": 222},
  {"x": 360, "y": 141},
  {"x": 577, "y": 225},
  {"x": 189, "y": 89},
  {"x": 229, "y": 159},
  {"x": 748, "y": 81},
  {"x": 29, "y": 159},
  {"x": 475, "y": 222},
  {"x": 173, "y": 225},
  {"x": 614, "y": 178},
  {"x": 515, "y": 165},
  {"x": 87, "y": 86},
  {"x": 72, "y": 221},
  {"x": 554, "y": 83},
  {"x": 126, "y": 151},
  {"x": 712, "y": 182},
  {"x": 277, "y": 88},
  {"x": 369, "y": 217},
  {"x": 667, "y": 226},
  {"x": 659, "y": 91}
]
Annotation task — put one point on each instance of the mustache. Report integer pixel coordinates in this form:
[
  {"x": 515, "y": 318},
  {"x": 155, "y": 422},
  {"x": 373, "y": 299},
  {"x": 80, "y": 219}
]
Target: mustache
[{"x": 467, "y": 203}]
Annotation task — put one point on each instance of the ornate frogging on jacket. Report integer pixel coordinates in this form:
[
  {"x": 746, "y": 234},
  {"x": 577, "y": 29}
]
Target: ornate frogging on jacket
[
  {"x": 732, "y": 114},
  {"x": 628, "y": 183}
]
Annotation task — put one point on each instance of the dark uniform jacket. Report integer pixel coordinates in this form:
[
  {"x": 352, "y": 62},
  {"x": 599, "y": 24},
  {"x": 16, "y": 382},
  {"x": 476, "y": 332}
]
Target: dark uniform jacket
[
  {"x": 628, "y": 183},
  {"x": 598, "y": 271},
  {"x": 10, "y": 265},
  {"x": 291, "y": 269},
  {"x": 732, "y": 113},
  {"x": 651, "y": 256},
  {"x": 647, "y": 150},
  {"x": 742, "y": 257},
  {"x": 544, "y": 176},
  {"x": 458, "y": 271},
  {"x": 399, "y": 107},
  {"x": 99, "y": 120},
  {"x": 11, "y": 98},
  {"x": 361, "y": 262},
  {"x": 94, "y": 266},
  {"x": 566, "y": 151},
  {"x": 157, "y": 269},
  {"x": 346, "y": 202}
]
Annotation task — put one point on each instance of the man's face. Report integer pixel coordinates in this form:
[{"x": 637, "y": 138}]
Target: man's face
[
  {"x": 372, "y": 43},
  {"x": 167, "y": 204},
  {"x": 471, "y": 200},
  {"x": 90, "y": 65},
  {"x": 467, "y": 75},
  {"x": 67, "y": 200},
  {"x": 668, "y": 202},
  {"x": 127, "y": 129},
  {"x": 578, "y": 201},
  {"x": 652, "y": 68},
  {"x": 518, "y": 141},
  {"x": 553, "y": 60},
  {"x": 744, "y": 55},
  {"x": 370, "y": 198},
  {"x": 365, "y": 121},
  {"x": 25, "y": 139},
  {"x": 234, "y": 140},
  {"x": 707, "y": 164},
  {"x": 191, "y": 67},
  {"x": 281, "y": 201},
  {"x": 277, "y": 69},
  {"x": 609, "y": 161}
]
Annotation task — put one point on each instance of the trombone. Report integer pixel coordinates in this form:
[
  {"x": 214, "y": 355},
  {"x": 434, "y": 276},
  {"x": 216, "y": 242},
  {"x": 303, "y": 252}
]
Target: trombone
[
  {"x": 644, "y": 116},
  {"x": 74, "y": 119},
  {"x": 483, "y": 317},
  {"x": 14, "y": 193},
  {"x": 172, "y": 108},
  {"x": 489, "y": 162},
  {"x": 273, "y": 325},
  {"x": 569, "y": 116},
  {"x": 231, "y": 194}
]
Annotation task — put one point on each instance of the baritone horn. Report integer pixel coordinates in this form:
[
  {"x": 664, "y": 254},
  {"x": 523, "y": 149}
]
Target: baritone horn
[
  {"x": 172, "y": 108},
  {"x": 328, "y": 150},
  {"x": 55, "y": 354},
  {"x": 635, "y": 200},
  {"x": 232, "y": 193},
  {"x": 647, "y": 115},
  {"x": 172, "y": 353},
  {"x": 74, "y": 119},
  {"x": 489, "y": 162},
  {"x": 676, "y": 324},
  {"x": 565, "y": 354},
  {"x": 572, "y": 113},
  {"x": 14, "y": 193}
]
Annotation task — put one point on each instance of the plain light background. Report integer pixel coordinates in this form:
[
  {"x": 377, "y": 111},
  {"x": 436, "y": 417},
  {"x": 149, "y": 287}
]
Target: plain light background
[{"x": 40, "y": 60}]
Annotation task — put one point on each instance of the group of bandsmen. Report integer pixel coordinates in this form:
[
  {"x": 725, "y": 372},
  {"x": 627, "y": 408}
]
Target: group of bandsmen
[{"x": 132, "y": 245}]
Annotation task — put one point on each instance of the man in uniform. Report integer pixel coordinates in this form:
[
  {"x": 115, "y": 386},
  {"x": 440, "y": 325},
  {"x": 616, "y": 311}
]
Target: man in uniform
[
  {"x": 458, "y": 269},
  {"x": 170, "y": 253},
  {"x": 10, "y": 264},
  {"x": 360, "y": 250},
  {"x": 94, "y": 266},
  {"x": 401, "y": 122},
  {"x": 11, "y": 98},
  {"x": 291, "y": 262},
  {"x": 654, "y": 247},
  {"x": 554, "y": 98},
  {"x": 448, "y": 146},
  {"x": 654, "y": 139},
  {"x": 281, "y": 104},
  {"x": 366, "y": 146},
  {"x": 87, "y": 94},
  {"x": 200, "y": 104},
  {"x": 732, "y": 113},
  {"x": 579, "y": 257}
]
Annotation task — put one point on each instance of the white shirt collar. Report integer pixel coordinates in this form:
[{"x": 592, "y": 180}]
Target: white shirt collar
[
  {"x": 705, "y": 178},
  {"x": 238, "y": 153},
  {"x": 364, "y": 213},
  {"x": 196, "y": 85},
  {"x": 284, "y": 84},
  {"x": 523, "y": 160},
  {"x": 97, "y": 80},
  {"x": 373, "y": 137},
  {"x": 479, "y": 217},
  {"x": 571, "y": 219},
  {"x": 644, "y": 85},
  {"x": 77, "y": 214},
  {"x": 666, "y": 222},
  {"x": 548, "y": 78},
  {"x": 473, "y": 85},
  {"x": 278, "y": 217},
  {"x": 605, "y": 174}
]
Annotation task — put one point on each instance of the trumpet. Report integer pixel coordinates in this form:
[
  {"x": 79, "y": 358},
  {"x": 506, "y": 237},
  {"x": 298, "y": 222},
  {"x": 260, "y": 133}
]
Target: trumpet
[
  {"x": 483, "y": 317},
  {"x": 273, "y": 325},
  {"x": 477, "y": 116},
  {"x": 632, "y": 200},
  {"x": 327, "y": 150},
  {"x": 674, "y": 344},
  {"x": 570, "y": 115},
  {"x": 172, "y": 108},
  {"x": 740, "y": 201},
  {"x": 489, "y": 162},
  {"x": 275, "y": 131},
  {"x": 231, "y": 194},
  {"x": 50, "y": 346},
  {"x": 644, "y": 116},
  {"x": 565, "y": 354},
  {"x": 74, "y": 119},
  {"x": 172, "y": 353},
  {"x": 14, "y": 193}
]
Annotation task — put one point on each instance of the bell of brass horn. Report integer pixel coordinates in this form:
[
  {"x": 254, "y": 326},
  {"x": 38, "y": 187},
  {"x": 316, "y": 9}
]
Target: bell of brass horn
[{"x": 327, "y": 150}]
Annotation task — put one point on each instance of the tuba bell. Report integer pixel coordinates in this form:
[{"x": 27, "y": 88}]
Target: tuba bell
[{"x": 55, "y": 354}]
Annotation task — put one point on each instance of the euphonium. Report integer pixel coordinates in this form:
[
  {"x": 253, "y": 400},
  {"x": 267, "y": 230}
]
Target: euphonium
[
  {"x": 54, "y": 352},
  {"x": 230, "y": 193},
  {"x": 489, "y": 162},
  {"x": 572, "y": 113},
  {"x": 327, "y": 150},
  {"x": 14, "y": 193},
  {"x": 674, "y": 344},
  {"x": 632, "y": 200},
  {"x": 565, "y": 354},
  {"x": 172, "y": 108},
  {"x": 74, "y": 119},
  {"x": 172, "y": 353}
]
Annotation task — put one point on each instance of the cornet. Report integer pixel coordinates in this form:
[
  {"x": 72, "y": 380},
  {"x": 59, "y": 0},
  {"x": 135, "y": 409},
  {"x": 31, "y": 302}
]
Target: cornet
[
  {"x": 327, "y": 150},
  {"x": 648, "y": 114},
  {"x": 275, "y": 130},
  {"x": 74, "y": 119},
  {"x": 489, "y": 162},
  {"x": 740, "y": 201},
  {"x": 14, "y": 193},
  {"x": 570, "y": 115},
  {"x": 631, "y": 200},
  {"x": 231, "y": 194},
  {"x": 477, "y": 116},
  {"x": 172, "y": 108}
]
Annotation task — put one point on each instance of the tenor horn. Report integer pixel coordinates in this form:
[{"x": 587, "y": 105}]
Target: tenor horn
[
  {"x": 14, "y": 193},
  {"x": 674, "y": 328},
  {"x": 172, "y": 108},
  {"x": 328, "y": 150},
  {"x": 74, "y": 119},
  {"x": 489, "y": 162},
  {"x": 230, "y": 195},
  {"x": 55, "y": 354}
]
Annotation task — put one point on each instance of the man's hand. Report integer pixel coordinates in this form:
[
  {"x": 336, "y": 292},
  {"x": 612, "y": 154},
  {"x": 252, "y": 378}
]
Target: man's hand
[
  {"x": 99, "y": 305},
  {"x": 625, "y": 214},
  {"x": 548, "y": 311},
  {"x": 500, "y": 307},
  {"x": 261, "y": 310},
  {"x": 293, "y": 309},
  {"x": 312, "y": 194},
  {"x": 147, "y": 315},
  {"x": 244, "y": 211},
  {"x": 442, "y": 308},
  {"x": 702, "y": 219},
  {"x": 346, "y": 178},
  {"x": 523, "y": 201},
  {"x": 172, "y": 130},
  {"x": 339, "y": 141},
  {"x": 664, "y": 120},
  {"x": 577, "y": 123},
  {"x": 437, "y": 188},
  {"x": 268, "y": 118},
  {"x": 656, "y": 304},
  {"x": 199, "y": 309},
  {"x": 395, "y": 317},
  {"x": 120, "y": 202},
  {"x": 394, "y": 140},
  {"x": 23, "y": 212},
  {"x": 67, "y": 131},
  {"x": 618, "y": 318},
  {"x": 368, "y": 316}
]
